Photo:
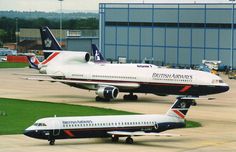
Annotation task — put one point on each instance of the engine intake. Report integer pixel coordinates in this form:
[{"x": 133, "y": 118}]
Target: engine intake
[{"x": 107, "y": 92}]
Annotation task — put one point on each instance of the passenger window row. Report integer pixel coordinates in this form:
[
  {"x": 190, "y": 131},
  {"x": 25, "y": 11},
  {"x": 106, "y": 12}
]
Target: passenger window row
[
  {"x": 114, "y": 77},
  {"x": 111, "y": 124}
]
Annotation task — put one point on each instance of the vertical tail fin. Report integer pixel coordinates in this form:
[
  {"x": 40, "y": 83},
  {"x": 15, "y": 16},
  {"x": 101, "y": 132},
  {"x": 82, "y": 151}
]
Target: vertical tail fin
[
  {"x": 33, "y": 62},
  {"x": 180, "y": 108},
  {"x": 97, "y": 54},
  {"x": 49, "y": 42}
]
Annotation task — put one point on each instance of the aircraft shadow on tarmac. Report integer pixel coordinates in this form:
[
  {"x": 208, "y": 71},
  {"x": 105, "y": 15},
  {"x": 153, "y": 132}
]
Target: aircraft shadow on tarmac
[
  {"x": 144, "y": 143},
  {"x": 162, "y": 100},
  {"x": 82, "y": 98}
]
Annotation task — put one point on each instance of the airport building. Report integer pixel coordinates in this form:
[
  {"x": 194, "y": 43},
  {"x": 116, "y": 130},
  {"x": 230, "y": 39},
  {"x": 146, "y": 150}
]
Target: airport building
[
  {"x": 170, "y": 34},
  {"x": 73, "y": 40}
]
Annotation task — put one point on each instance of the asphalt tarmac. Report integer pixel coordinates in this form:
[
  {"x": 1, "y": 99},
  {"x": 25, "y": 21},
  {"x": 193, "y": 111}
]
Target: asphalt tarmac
[{"x": 218, "y": 132}]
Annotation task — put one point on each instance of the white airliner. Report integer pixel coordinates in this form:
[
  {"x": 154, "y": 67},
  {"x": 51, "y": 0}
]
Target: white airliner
[
  {"x": 73, "y": 68},
  {"x": 54, "y": 128}
]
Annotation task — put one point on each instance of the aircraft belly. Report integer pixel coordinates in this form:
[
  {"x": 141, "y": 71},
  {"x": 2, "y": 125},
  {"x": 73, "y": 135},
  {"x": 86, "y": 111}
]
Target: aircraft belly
[
  {"x": 175, "y": 89},
  {"x": 102, "y": 132}
]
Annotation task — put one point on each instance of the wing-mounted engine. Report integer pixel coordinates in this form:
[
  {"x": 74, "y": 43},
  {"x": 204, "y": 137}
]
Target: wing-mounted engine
[{"x": 106, "y": 93}]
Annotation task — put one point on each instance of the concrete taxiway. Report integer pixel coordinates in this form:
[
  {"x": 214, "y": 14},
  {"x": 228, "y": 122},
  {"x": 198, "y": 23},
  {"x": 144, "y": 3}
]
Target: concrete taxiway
[{"x": 218, "y": 132}]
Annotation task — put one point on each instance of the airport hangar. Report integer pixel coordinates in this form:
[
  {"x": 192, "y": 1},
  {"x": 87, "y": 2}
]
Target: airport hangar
[
  {"x": 168, "y": 34},
  {"x": 73, "y": 40}
]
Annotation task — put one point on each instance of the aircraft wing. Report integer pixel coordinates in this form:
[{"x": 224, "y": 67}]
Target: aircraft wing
[
  {"x": 98, "y": 83},
  {"x": 194, "y": 98},
  {"x": 139, "y": 133},
  {"x": 40, "y": 75}
]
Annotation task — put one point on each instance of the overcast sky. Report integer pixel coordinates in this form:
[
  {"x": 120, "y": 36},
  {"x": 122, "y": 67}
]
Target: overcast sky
[{"x": 78, "y": 5}]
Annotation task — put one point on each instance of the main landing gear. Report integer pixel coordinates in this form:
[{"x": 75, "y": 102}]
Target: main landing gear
[
  {"x": 52, "y": 142},
  {"x": 130, "y": 97},
  {"x": 129, "y": 140},
  {"x": 115, "y": 139}
]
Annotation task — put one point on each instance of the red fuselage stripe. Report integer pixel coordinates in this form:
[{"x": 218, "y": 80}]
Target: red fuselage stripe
[
  {"x": 186, "y": 88},
  {"x": 69, "y": 133}
]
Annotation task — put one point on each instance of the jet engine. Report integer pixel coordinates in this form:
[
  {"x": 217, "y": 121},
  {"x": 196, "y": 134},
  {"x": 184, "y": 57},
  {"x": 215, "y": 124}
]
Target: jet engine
[
  {"x": 82, "y": 56},
  {"x": 68, "y": 57},
  {"x": 106, "y": 93}
]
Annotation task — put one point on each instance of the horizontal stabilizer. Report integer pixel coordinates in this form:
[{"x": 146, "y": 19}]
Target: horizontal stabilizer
[{"x": 140, "y": 133}]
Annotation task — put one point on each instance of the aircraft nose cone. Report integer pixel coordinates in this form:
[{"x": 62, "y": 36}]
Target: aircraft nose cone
[
  {"x": 225, "y": 88},
  {"x": 28, "y": 133},
  {"x": 31, "y": 133}
]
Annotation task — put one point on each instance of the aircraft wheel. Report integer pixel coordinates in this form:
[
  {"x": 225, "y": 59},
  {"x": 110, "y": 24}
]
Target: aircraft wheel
[
  {"x": 52, "y": 142},
  {"x": 135, "y": 97},
  {"x": 125, "y": 97},
  {"x": 98, "y": 98},
  {"x": 194, "y": 103},
  {"x": 130, "y": 97},
  {"x": 129, "y": 140},
  {"x": 115, "y": 139},
  {"x": 102, "y": 99}
]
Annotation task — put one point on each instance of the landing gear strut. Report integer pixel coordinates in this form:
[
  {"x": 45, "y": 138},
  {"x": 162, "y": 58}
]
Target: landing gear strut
[
  {"x": 129, "y": 140},
  {"x": 52, "y": 142},
  {"x": 115, "y": 139},
  {"x": 130, "y": 97}
]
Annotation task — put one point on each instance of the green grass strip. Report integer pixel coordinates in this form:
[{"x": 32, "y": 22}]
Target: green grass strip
[
  {"x": 13, "y": 65},
  {"x": 16, "y": 115}
]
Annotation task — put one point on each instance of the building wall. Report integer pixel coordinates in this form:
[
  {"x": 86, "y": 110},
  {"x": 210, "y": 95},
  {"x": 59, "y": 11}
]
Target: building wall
[
  {"x": 81, "y": 43},
  {"x": 179, "y": 34}
]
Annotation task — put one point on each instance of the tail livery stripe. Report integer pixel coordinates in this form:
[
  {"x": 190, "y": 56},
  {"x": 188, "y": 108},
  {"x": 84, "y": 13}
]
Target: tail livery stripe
[
  {"x": 69, "y": 133},
  {"x": 179, "y": 114},
  {"x": 53, "y": 55},
  {"x": 186, "y": 88}
]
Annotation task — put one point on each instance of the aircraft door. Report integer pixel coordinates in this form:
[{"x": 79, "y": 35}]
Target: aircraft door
[{"x": 56, "y": 128}]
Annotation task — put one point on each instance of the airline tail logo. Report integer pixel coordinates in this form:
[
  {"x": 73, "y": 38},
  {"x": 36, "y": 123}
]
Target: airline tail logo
[
  {"x": 33, "y": 62},
  {"x": 48, "y": 43},
  {"x": 97, "y": 56},
  {"x": 180, "y": 108},
  {"x": 32, "y": 59}
]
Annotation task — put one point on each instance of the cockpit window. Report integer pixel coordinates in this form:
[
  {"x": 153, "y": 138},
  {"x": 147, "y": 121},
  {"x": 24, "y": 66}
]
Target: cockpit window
[
  {"x": 39, "y": 124},
  {"x": 217, "y": 81}
]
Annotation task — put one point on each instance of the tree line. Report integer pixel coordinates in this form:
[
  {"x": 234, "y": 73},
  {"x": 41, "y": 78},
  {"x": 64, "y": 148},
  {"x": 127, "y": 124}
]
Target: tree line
[{"x": 8, "y": 25}]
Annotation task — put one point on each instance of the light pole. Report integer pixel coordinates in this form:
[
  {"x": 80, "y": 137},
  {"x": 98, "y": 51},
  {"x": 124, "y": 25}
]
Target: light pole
[
  {"x": 232, "y": 35},
  {"x": 17, "y": 34},
  {"x": 60, "y": 20}
]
